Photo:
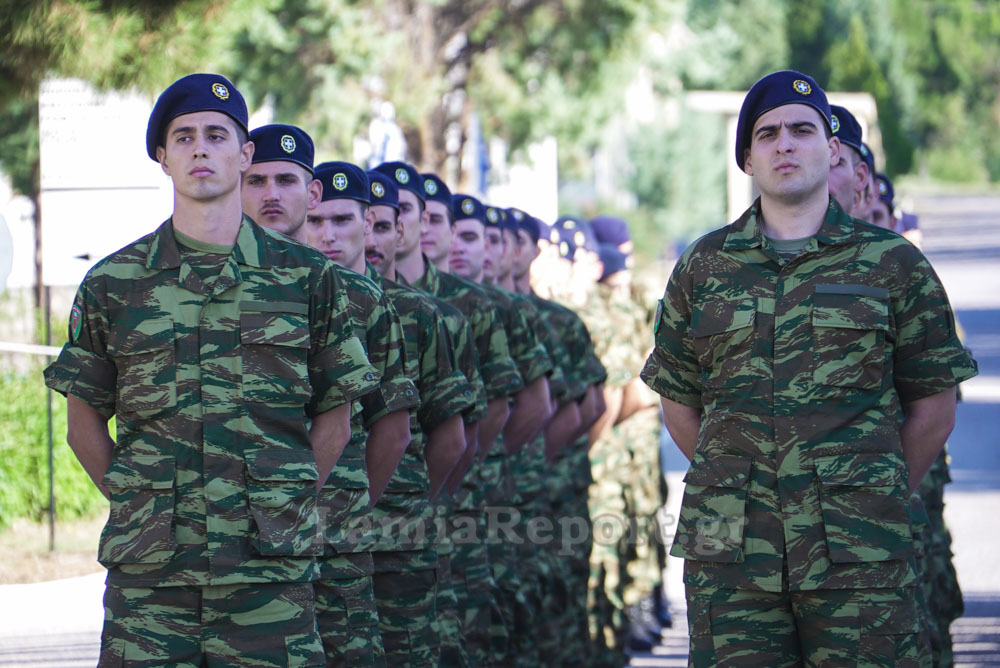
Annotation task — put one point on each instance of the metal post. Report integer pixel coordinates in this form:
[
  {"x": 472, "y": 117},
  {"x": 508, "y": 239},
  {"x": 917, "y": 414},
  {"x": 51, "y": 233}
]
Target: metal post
[{"x": 48, "y": 402}]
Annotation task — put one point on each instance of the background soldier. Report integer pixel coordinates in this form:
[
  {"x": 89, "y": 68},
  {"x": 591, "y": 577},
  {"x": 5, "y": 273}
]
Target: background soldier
[{"x": 213, "y": 531}]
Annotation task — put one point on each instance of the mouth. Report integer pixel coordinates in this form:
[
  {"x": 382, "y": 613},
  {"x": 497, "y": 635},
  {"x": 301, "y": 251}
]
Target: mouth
[
  {"x": 374, "y": 255},
  {"x": 201, "y": 171},
  {"x": 270, "y": 212},
  {"x": 785, "y": 167},
  {"x": 333, "y": 254}
]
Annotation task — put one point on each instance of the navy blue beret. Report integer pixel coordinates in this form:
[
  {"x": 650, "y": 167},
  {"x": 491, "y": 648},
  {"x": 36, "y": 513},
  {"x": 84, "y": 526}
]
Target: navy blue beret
[
  {"x": 565, "y": 241},
  {"x": 579, "y": 230},
  {"x": 343, "y": 180},
  {"x": 383, "y": 189},
  {"x": 494, "y": 217},
  {"x": 187, "y": 95},
  {"x": 613, "y": 259},
  {"x": 886, "y": 193},
  {"x": 509, "y": 218},
  {"x": 845, "y": 127},
  {"x": 286, "y": 143},
  {"x": 776, "y": 90},
  {"x": 610, "y": 230},
  {"x": 467, "y": 206},
  {"x": 868, "y": 156},
  {"x": 531, "y": 225},
  {"x": 406, "y": 177},
  {"x": 436, "y": 190}
]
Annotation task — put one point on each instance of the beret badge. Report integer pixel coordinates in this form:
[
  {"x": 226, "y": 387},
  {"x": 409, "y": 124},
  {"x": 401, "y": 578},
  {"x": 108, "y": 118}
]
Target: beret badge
[
  {"x": 220, "y": 91},
  {"x": 802, "y": 87}
]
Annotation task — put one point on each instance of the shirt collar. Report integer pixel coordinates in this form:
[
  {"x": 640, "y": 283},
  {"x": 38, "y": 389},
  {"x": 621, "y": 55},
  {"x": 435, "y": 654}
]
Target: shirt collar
[
  {"x": 745, "y": 232},
  {"x": 250, "y": 248}
]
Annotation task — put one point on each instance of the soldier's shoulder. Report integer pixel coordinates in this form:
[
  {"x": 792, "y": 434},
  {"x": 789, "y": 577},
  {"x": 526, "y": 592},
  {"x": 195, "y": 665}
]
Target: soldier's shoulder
[
  {"x": 127, "y": 261},
  {"x": 358, "y": 285},
  {"x": 283, "y": 251},
  {"x": 407, "y": 299}
]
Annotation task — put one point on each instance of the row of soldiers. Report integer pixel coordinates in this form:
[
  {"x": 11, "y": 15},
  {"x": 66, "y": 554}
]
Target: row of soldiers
[
  {"x": 349, "y": 429},
  {"x": 869, "y": 195}
]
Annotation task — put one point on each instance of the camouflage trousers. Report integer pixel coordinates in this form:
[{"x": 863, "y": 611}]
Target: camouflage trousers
[
  {"x": 453, "y": 652},
  {"x": 829, "y": 627},
  {"x": 473, "y": 583},
  {"x": 645, "y": 493},
  {"x": 260, "y": 624},
  {"x": 939, "y": 581},
  {"x": 608, "y": 624},
  {"x": 406, "y": 597},
  {"x": 348, "y": 622}
]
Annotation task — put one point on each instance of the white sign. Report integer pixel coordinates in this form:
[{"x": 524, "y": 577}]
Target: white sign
[{"x": 100, "y": 190}]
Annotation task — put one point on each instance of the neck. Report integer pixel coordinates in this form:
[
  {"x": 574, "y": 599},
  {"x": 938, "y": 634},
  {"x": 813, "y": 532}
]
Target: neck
[
  {"x": 443, "y": 264},
  {"x": 793, "y": 220},
  {"x": 478, "y": 278},
  {"x": 359, "y": 266},
  {"x": 522, "y": 284},
  {"x": 389, "y": 273},
  {"x": 214, "y": 223},
  {"x": 506, "y": 282},
  {"x": 411, "y": 267}
]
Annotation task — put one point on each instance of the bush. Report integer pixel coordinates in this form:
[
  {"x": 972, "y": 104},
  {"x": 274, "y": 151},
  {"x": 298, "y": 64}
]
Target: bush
[{"x": 24, "y": 472}]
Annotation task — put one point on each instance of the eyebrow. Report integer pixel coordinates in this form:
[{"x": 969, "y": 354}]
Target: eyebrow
[
  {"x": 792, "y": 126},
  {"x": 209, "y": 128}
]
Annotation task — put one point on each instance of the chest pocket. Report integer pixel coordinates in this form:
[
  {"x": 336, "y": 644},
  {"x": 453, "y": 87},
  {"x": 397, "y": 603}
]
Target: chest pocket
[
  {"x": 147, "y": 375},
  {"x": 849, "y": 335},
  {"x": 722, "y": 334},
  {"x": 275, "y": 357}
]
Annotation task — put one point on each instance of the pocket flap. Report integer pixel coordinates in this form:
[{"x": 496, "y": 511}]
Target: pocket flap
[
  {"x": 148, "y": 336},
  {"x": 282, "y": 465},
  {"x": 722, "y": 316},
  {"x": 719, "y": 470},
  {"x": 868, "y": 470},
  {"x": 850, "y": 312},
  {"x": 274, "y": 329},
  {"x": 140, "y": 472}
]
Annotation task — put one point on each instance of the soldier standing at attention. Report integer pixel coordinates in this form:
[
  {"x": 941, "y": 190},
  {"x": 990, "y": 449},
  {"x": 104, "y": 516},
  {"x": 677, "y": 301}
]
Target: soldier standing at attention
[
  {"x": 849, "y": 177},
  {"x": 226, "y": 353},
  {"x": 807, "y": 365}
]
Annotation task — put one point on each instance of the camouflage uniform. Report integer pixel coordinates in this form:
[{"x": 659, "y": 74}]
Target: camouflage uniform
[
  {"x": 942, "y": 594},
  {"x": 345, "y": 598},
  {"x": 472, "y": 579},
  {"x": 212, "y": 359},
  {"x": 406, "y": 559},
  {"x": 515, "y": 565},
  {"x": 795, "y": 510},
  {"x": 565, "y": 602}
]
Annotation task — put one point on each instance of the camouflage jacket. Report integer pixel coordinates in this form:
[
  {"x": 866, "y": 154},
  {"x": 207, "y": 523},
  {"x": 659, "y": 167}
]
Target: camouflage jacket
[
  {"x": 404, "y": 515},
  {"x": 586, "y": 368},
  {"x": 800, "y": 368},
  {"x": 500, "y": 374},
  {"x": 212, "y": 384},
  {"x": 345, "y": 503}
]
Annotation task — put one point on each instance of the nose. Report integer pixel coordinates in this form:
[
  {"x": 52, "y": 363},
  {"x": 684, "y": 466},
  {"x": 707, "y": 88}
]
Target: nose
[{"x": 785, "y": 141}]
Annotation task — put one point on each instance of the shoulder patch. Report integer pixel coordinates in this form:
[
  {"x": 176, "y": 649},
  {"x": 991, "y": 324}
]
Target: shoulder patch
[{"x": 75, "y": 323}]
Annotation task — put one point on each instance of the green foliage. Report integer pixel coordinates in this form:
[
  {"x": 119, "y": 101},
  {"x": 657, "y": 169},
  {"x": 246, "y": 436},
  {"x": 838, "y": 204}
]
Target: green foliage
[
  {"x": 679, "y": 179},
  {"x": 19, "y": 143},
  {"x": 24, "y": 482}
]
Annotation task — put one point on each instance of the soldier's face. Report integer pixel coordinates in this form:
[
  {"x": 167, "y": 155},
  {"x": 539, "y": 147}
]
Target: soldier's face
[
  {"x": 436, "y": 236},
  {"x": 790, "y": 156},
  {"x": 494, "y": 254},
  {"x": 381, "y": 240},
  {"x": 277, "y": 195},
  {"x": 507, "y": 259},
  {"x": 524, "y": 255},
  {"x": 848, "y": 179},
  {"x": 203, "y": 156},
  {"x": 468, "y": 249},
  {"x": 413, "y": 217},
  {"x": 337, "y": 228},
  {"x": 882, "y": 216}
]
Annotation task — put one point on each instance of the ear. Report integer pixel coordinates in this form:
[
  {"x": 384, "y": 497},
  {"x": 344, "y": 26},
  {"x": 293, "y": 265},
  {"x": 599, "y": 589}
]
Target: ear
[
  {"x": 246, "y": 156},
  {"x": 399, "y": 232},
  {"x": 369, "y": 221},
  {"x": 314, "y": 192},
  {"x": 861, "y": 174},
  {"x": 161, "y": 157},
  {"x": 835, "y": 149},
  {"x": 747, "y": 167},
  {"x": 425, "y": 218}
]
